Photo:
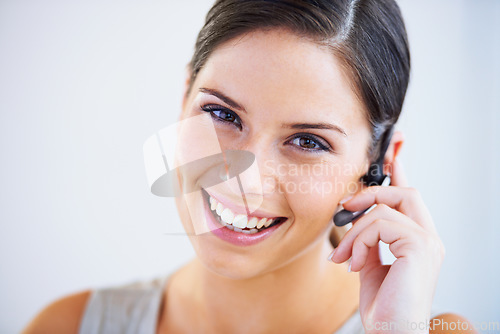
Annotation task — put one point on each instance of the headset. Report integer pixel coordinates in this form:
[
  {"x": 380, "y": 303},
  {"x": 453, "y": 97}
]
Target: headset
[{"x": 374, "y": 177}]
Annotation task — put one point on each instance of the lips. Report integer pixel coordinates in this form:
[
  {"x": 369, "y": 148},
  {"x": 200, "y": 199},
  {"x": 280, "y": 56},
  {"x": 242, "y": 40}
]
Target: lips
[{"x": 231, "y": 224}]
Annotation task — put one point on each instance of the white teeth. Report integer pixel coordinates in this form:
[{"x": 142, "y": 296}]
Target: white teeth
[
  {"x": 219, "y": 209},
  {"x": 261, "y": 222},
  {"x": 227, "y": 216},
  {"x": 240, "y": 221},
  {"x": 252, "y": 222}
]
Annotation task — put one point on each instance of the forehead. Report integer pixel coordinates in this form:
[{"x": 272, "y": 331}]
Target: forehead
[{"x": 278, "y": 70}]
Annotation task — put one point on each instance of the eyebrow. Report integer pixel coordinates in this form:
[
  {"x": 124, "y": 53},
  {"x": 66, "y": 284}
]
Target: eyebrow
[
  {"x": 322, "y": 126},
  {"x": 226, "y": 99}
]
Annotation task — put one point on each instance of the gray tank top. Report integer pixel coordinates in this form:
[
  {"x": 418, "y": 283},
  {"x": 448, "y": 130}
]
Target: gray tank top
[{"x": 133, "y": 309}]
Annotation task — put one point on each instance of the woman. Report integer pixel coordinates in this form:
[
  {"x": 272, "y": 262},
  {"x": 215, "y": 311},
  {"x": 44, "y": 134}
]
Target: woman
[{"x": 298, "y": 84}]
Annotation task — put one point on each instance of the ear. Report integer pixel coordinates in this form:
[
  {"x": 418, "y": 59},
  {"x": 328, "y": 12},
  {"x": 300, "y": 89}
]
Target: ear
[{"x": 393, "y": 150}]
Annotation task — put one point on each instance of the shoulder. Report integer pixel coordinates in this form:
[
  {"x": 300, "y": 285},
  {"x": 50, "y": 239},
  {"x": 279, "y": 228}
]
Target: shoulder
[
  {"x": 61, "y": 316},
  {"x": 450, "y": 323}
]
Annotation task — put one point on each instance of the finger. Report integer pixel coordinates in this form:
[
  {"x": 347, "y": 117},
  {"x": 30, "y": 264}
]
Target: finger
[
  {"x": 374, "y": 274},
  {"x": 405, "y": 200},
  {"x": 397, "y": 236},
  {"x": 398, "y": 176},
  {"x": 381, "y": 211},
  {"x": 373, "y": 260}
]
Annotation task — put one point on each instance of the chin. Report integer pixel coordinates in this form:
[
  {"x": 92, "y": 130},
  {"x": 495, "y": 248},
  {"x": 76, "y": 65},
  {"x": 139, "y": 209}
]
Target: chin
[{"x": 231, "y": 265}]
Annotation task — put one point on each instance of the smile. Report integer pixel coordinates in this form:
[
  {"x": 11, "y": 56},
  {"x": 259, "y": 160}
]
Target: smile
[
  {"x": 237, "y": 228},
  {"x": 240, "y": 222}
]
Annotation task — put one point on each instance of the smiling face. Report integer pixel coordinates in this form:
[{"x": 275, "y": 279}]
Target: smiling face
[{"x": 288, "y": 101}]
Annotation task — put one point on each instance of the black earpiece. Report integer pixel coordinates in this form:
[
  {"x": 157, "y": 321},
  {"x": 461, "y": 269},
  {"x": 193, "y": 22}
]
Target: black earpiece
[{"x": 374, "y": 177}]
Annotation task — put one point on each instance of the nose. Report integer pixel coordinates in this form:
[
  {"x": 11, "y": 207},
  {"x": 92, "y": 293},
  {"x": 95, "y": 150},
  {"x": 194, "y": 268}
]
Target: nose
[{"x": 260, "y": 178}]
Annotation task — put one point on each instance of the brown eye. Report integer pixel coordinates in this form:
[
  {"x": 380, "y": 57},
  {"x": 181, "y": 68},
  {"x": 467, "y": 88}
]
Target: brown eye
[
  {"x": 310, "y": 143},
  {"x": 307, "y": 143},
  {"x": 222, "y": 114}
]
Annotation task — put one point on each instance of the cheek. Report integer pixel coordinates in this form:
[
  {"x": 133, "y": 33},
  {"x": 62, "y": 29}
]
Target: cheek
[
  {"x": 196, "y": 139},
  {"x": 312, "y": 199},
  {"x": 314, "y": 193}
]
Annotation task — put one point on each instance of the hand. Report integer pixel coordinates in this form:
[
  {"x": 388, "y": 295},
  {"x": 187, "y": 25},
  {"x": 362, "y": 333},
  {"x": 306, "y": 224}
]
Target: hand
[{"x": 401, "y": 293}]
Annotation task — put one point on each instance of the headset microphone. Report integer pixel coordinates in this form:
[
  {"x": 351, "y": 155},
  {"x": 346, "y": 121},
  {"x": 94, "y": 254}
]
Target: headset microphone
[{"x": 374, "y": 177}]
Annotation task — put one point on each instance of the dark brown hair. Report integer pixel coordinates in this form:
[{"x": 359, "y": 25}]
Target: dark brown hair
[{"x": 368, "y": 36}]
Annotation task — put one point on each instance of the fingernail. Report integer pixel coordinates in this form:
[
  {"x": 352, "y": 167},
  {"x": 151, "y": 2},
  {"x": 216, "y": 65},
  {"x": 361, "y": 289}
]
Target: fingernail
[
  {"x": 345, "y": 200},
  {"x": 331, "y": 255},
  {"x": 349, "y": 268}
]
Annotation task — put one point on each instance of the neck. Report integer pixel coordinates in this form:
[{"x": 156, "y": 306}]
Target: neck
[{"x": 309, "y": 292}]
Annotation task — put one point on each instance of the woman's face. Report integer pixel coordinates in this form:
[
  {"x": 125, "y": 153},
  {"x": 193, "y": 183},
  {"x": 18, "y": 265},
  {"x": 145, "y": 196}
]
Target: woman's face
[{"x": 288, "y": 102}]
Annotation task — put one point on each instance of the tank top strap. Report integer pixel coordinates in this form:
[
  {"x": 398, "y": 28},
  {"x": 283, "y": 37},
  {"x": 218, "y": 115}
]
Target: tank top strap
[{"x": 129, "y": 309}]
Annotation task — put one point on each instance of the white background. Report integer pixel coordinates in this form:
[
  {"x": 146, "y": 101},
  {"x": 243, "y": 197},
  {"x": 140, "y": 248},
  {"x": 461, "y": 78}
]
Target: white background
[{"x": 84, "y": 83}]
